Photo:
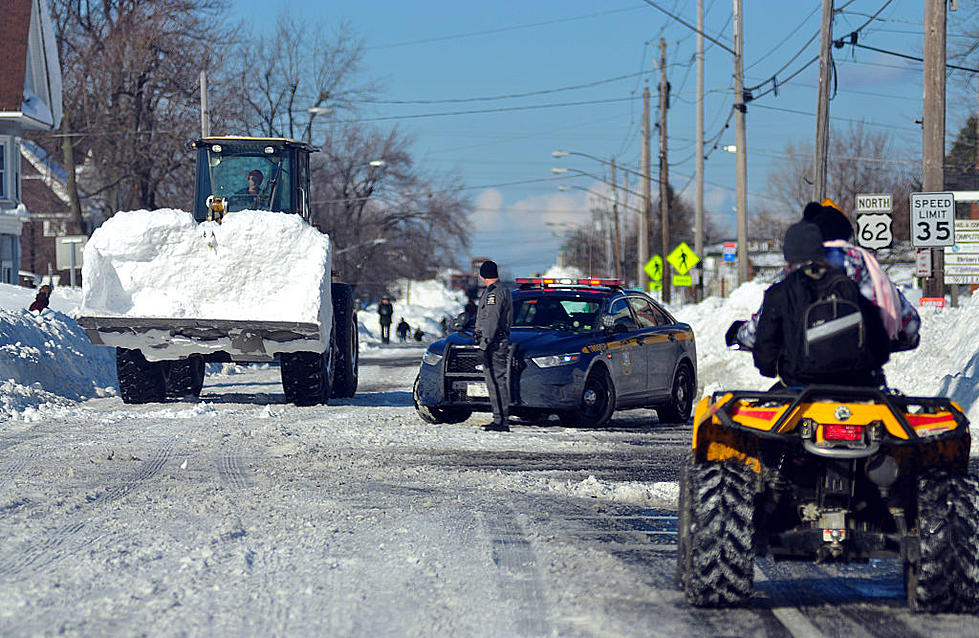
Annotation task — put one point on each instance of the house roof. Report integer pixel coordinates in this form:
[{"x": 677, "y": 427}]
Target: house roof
[{"x": 14, "y": 33}]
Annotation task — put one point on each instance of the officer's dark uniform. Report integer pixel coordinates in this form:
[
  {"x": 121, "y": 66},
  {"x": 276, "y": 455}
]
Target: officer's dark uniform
[{"x": 494, "y": 314}]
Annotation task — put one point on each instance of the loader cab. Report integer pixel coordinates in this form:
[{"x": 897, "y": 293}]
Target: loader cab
[{"x": 252, "y": 173}]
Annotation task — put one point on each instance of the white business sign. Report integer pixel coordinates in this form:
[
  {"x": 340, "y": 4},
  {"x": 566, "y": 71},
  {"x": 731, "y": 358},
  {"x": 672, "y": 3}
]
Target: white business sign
[
  {"x": 932, "y": 220},
  {"x": 962, "y": 259},
  {"x": 874, "y": 202}
]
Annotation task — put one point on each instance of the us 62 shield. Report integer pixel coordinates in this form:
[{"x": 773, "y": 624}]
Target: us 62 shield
[{"x": 874, "y": 230}]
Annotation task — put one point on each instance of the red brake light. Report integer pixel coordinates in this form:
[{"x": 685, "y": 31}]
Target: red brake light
[{"x": 837, "y": 432}]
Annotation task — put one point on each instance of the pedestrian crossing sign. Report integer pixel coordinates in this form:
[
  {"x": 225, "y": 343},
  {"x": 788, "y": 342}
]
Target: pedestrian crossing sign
[{"x": 683, "y": 258}]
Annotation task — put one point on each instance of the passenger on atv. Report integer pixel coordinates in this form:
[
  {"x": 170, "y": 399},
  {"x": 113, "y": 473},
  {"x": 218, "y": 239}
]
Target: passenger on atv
[
  {"x": 814, "y": 326},
  {"x": 900, "y": 318}
]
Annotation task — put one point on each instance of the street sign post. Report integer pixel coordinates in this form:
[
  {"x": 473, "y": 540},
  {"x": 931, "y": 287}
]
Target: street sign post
[
  {"x": 69, "y": 251},
  {"x": 932, "y": 220},
  {"x": 730, "y": 251}
]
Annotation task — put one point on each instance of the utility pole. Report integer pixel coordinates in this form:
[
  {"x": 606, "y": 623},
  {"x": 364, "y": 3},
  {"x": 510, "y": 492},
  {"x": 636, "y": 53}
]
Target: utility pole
[
  {"x": 643, "y": 278},
  {"x": 698, "y": 230},
  {"x": 933, "y": 128},
  {"x": 205, "y": 114},
  {"x": 664, "y": 169},
  {"x": 617, "y": 248},
  {"x": 822, "y": 106},
  {"x": 740, "y": 141}
]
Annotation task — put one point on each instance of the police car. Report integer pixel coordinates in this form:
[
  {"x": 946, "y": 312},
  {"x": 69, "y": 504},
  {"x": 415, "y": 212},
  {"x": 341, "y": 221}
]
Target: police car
[{"x": 580, "y": 349}]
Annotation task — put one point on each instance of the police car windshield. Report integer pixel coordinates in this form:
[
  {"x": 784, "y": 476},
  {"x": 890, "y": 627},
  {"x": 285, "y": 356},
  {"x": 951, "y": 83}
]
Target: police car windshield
[{"x": 556, "y": 312}]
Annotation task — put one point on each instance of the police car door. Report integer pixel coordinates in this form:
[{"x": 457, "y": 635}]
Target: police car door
[
  {"x": 626, "y": 364},
  {"x": 658, "y": 349}
]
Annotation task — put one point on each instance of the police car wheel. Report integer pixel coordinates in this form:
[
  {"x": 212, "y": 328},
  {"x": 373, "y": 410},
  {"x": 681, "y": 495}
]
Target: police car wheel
[{"x": 596, "y": 404}]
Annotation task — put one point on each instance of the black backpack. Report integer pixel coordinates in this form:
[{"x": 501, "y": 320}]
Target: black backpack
[{"x": 834, "y": 328}]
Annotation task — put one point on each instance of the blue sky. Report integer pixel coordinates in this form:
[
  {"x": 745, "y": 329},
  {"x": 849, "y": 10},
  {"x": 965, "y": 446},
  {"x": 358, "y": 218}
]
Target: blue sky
[{"x": 449, "y": 55}]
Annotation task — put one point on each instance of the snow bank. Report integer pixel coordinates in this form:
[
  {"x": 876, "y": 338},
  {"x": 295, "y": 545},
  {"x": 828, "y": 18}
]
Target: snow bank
[
  {"x": 256, "y": 265},
  {"x": 47, "y": 362}
]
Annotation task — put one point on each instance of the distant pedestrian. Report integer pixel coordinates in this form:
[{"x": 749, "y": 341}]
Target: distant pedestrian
[
  {"x": 494, "y": 314},
  {"x": 403, "y": 330},
  {"x": 385, "y": 311},
  {"x": 419, "y": 335},
  {"x": 444, "y": 325},
  {"x": 42, "y": 298}
]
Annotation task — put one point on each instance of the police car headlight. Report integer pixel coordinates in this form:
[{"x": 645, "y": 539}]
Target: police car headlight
[
  {"x": 556, "y": 360},
  {"x": 431, "y": 358}
]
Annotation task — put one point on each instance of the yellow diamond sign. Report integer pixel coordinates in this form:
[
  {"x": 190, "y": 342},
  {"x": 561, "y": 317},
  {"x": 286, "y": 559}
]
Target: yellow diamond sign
[
  {"x": 654, "y": 268},
  {"x": 683, "y": 258}
]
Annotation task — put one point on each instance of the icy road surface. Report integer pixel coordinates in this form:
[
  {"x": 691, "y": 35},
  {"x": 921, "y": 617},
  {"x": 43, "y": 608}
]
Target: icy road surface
[{"x": 242, "y": 515}]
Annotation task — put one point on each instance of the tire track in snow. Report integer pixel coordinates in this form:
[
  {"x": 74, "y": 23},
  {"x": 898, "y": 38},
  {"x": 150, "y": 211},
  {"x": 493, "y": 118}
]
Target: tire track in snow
[
  {"x": 232, "y": 472},
  {"x": 517, "y": 572},
  {"x": 51, "y": 545}
]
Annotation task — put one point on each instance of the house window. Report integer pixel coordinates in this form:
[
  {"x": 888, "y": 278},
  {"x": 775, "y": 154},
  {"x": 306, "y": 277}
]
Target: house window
[{"x": 3, "y": 169}]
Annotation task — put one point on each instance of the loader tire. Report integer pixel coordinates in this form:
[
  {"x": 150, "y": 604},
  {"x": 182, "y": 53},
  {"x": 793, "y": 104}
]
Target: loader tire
[
  {"x": 184, "y": 377},
  {"x": 946, "y": 579},
  {"x": 140, "y": 381},
  {"x": 719, "y": 560},
  {"x": 305, "y": 377},
  {"x": 347, "y": 339}
]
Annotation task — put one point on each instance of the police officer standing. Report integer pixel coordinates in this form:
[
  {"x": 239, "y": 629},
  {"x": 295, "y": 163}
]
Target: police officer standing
[{"x": 494, "y": 314}]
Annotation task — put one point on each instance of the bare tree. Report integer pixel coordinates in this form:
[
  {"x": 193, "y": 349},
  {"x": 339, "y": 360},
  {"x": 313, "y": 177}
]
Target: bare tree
[
  {"x": 863, "y": 162},
  {"x": 302, "y": 71},
  {"x": 387, "y": 220},
  {"x": 130, "y": 70}
]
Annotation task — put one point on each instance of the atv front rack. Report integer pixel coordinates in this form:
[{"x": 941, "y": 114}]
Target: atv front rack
[{"x": 899, "y": 405}]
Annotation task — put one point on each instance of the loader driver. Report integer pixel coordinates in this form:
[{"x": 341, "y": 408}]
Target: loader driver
[
  {"x": 254, "y": 196},
  {"x": 815, "y": 325}
]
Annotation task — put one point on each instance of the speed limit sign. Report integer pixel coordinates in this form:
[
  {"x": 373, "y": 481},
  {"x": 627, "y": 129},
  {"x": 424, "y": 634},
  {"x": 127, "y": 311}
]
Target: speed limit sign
[
  {"x": 932, "y": 220},
  {"x": 874, "y": 230}
]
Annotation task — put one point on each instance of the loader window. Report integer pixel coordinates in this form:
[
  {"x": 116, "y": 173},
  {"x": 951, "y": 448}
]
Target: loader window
[{"x": 249, "y": 178}]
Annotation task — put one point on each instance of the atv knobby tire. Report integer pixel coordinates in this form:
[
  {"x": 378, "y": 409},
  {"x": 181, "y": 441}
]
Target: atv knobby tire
[
  {"x": 436, "y": 415},
  {"x": 347, "y": 340},
  {"x": 715, "y": 543},
  {"x": 140, "y": 381},
  {"x": 946, "y": 579},
  {"x": 305, "y": 377},
  {"x": 184, "y": 377}
]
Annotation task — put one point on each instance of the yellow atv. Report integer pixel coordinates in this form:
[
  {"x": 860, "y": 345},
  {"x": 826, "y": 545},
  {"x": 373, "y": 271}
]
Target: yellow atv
[{"x": 829, "y": 473}]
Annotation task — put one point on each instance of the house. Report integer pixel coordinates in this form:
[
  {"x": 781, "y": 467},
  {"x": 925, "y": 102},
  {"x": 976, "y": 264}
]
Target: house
[{"x": 30, "y": 99}]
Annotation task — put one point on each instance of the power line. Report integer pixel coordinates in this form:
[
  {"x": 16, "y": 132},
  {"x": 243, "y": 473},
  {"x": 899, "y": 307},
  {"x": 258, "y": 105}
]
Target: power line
[
  {"x": 690, "y": 26},
  {"x": 500, "y": 29},
  {"x": 839, "y": 44},
  {"x": 512, "y": 95},
  {"x": 501, "y": 109}
]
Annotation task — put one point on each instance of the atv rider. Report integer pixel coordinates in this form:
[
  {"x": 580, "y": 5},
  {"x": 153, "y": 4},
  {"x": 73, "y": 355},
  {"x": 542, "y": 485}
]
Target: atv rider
[
  {"x": 795, "y": 344},
  {"x": 900, "y": 318}
]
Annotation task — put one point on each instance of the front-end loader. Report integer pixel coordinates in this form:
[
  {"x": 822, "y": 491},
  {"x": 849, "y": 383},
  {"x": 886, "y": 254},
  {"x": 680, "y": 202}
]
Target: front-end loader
[{"x": 173, "y": 290}]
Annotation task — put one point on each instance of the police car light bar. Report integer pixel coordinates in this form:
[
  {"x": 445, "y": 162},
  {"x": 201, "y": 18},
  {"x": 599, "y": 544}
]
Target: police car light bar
[{"x": 566, "y": 281}]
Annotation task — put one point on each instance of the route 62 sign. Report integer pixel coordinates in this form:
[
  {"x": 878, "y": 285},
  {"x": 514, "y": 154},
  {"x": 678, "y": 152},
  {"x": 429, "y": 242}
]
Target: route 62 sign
[{"x": 874, "y": 230}]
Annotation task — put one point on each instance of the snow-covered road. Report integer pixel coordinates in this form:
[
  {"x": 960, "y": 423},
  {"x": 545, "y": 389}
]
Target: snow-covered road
[{"x": 243, "y": 515}]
